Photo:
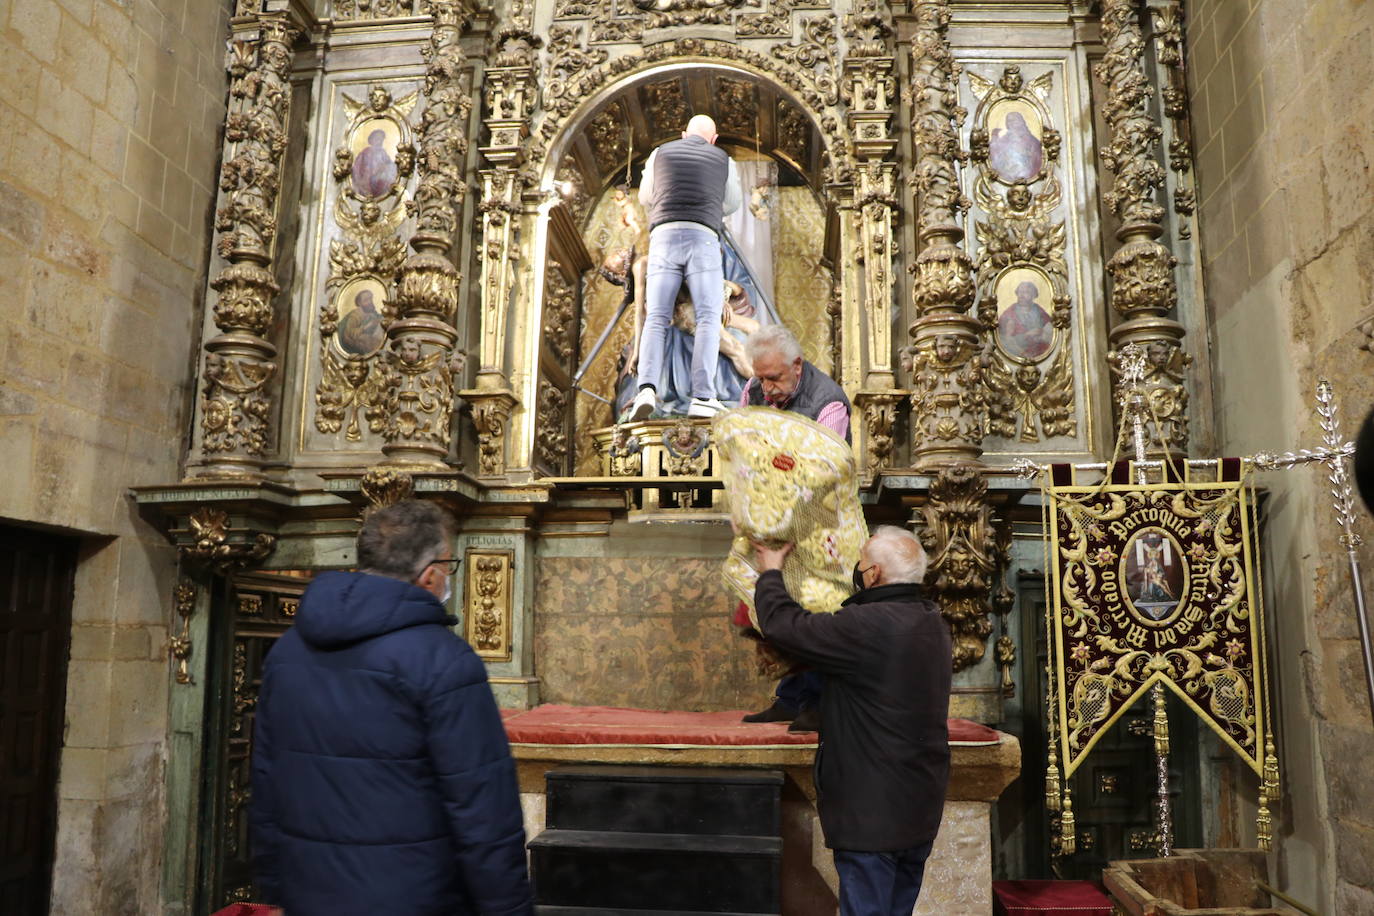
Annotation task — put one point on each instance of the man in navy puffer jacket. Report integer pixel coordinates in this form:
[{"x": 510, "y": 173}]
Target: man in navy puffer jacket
[{"x": 382, "y": 779}]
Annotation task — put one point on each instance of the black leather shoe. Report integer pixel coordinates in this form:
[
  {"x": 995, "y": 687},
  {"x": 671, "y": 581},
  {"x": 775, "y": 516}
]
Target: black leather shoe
[
  {"x": 778, "y": 712},
  {"x": 808, "y": 720}
]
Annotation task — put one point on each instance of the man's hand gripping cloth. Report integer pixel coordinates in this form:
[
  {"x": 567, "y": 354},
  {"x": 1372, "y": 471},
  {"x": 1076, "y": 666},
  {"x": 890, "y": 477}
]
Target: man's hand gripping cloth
[{"x": 789, "y": 479}]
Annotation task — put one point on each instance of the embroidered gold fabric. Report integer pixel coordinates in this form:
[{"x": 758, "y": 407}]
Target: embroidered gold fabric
[{"x": 789, "y": 479}]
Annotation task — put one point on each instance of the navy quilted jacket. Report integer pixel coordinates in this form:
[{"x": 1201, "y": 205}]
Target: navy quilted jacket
[{"x": 382, "y": 780}]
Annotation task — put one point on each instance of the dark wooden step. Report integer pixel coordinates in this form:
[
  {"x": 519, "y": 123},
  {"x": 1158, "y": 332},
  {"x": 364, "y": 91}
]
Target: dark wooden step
[
  {"x": 603, "y": 911},
  {"x": 686, "y": 800},
  {"x": 630, "y": 870}
]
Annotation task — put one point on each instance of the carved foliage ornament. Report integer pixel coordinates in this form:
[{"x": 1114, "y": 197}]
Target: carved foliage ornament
[
  {"x": 1130, "y": 154},
  {"x": 560, "y": 308},
  {"x": 214, "y": 544},
  {"x": 489, "y": 597},
  {"x": 382, "y": 487},
  {"x": 359, "y": 10},
  {"x": 879, "y": 413},
  {"x": 551, "y": 437},
  {"x": 936, "y": 117},
  {"x": 959, "y": 538},
  {"x": 663, "y": 13},
  {"x": 180, "y": 646},
  {"x": 490, "y": 416}
]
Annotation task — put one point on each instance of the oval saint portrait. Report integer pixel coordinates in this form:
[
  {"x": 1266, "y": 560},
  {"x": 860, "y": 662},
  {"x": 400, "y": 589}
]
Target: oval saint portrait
[
  {"x": 374, "y": 145},
  {"x": 1025, "y": 331},
  {"x": 360, "y": 331},
  {"x": 1015, "y": 152},
  {"x": 1155, "y": 575}
]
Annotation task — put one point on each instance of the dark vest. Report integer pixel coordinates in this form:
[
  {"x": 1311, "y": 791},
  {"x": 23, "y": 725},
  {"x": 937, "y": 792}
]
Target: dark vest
[
  {"x": 689, "y": 183},
  {"x": 815, "y": 389}
]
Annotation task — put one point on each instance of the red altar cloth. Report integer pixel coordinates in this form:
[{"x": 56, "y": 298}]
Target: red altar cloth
[
  {"x": 1049, "y": 898},
  {"x": 600, "y": 725}
]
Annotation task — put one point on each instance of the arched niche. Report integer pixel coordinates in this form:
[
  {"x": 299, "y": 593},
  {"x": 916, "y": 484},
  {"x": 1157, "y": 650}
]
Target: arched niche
[{"x": 598, "y": 154}]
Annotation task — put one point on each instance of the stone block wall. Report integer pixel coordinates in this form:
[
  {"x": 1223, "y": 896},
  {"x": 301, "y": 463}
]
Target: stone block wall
[
  {"x": 1282, "y": 115},
  {"x": 112, "y": 111}
]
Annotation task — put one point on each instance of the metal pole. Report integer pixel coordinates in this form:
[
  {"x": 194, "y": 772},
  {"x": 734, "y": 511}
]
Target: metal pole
[
  {"x": 1134, "y": 405},
  {"x": 744, "y": 262},
  {"x": 1341, "y": 498},
  {"x": 600, "y": 342}
]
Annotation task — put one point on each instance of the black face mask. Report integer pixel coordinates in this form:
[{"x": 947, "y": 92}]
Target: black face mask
[{"x": 858, "y": 579}]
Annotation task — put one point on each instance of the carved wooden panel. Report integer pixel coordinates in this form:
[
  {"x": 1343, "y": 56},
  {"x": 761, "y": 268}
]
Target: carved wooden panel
[{"x": 487, "y": 600}]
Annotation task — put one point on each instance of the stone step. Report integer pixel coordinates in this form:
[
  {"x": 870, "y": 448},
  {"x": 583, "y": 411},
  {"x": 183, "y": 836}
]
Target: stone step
[
  {"x": 681, "y": 800},
  {"x": 629, "y": 870}
]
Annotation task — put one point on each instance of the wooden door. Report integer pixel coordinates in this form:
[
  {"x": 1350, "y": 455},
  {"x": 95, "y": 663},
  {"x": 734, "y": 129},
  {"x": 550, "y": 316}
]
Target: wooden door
[
  {"x": 254, "y": 610},
  {"x": 36, "y": 572}
]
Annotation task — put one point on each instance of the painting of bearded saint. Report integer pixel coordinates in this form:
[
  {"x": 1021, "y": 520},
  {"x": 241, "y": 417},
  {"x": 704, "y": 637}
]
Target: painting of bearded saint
[
  {"x": 360, "y": 330},
  {"x": 1024, "y": 328},
  {"x": 1014, "y": 150},
  {"x": 374, "y": 171}
]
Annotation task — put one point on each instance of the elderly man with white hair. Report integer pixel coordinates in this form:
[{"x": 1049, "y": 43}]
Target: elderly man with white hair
[
  {"x": 688, "y": 186},
  {"x": 883, "y": 762}
]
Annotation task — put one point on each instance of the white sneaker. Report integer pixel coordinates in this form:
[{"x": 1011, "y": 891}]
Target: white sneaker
[
  {"x": 644, "y": 404},
  {"x": 705, "y": 407}
]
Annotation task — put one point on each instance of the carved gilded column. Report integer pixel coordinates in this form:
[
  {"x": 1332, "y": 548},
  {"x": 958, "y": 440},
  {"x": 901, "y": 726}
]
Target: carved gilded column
[
  {"x": 236, "y": 400},
  {"x": 1143, "y": 292},
  {"x": 509, "y": 95},
  {"x": 868, "y": 88},
  {"x": 947, "y": 401},
  {"x": 423, "y": 359}
]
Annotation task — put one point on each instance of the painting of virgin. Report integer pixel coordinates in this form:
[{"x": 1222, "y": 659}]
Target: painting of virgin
[
  {"x": 374, "y": 165},
  {"x": 1014, "y": 149}
]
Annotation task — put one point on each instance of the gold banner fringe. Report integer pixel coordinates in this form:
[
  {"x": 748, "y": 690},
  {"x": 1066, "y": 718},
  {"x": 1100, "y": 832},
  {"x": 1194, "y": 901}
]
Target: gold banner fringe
[{"x": 1068, "y": 832}]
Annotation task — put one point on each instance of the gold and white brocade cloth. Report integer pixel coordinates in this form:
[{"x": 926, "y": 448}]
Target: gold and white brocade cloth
[{"x": 790, "y": 480}]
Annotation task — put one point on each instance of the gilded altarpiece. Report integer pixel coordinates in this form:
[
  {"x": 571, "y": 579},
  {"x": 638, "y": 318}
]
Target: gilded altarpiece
[{"x": 348, "y": 373}]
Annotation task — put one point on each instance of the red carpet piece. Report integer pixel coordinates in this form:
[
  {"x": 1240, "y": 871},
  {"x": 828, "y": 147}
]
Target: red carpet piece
[
  {"x": 598, "y": 725},
  {"x": 1049, "y": 898}
]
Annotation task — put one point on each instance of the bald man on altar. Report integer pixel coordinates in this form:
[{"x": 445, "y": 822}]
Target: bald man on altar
[{"x": 688, "y": 187}]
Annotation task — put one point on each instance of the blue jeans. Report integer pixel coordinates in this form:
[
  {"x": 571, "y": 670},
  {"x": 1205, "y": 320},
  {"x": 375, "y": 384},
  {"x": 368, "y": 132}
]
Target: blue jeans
[
  {"x": 880, "y": 883},
  {"x": 799, "y": 691},
  {"x": 678, "y": 255}
]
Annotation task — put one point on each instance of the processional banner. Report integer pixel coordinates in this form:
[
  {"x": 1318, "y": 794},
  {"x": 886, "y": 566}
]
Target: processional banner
[{"x": 1156, "y": 584}]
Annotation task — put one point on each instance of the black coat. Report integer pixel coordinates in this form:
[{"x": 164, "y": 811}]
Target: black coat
[
  {"x": 382, "y": 779},
  {"x": 883, "y": 763}
]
